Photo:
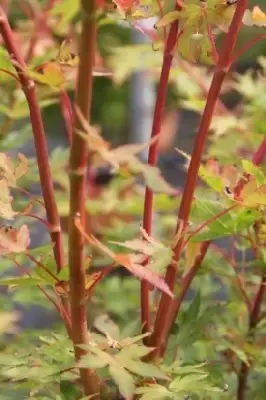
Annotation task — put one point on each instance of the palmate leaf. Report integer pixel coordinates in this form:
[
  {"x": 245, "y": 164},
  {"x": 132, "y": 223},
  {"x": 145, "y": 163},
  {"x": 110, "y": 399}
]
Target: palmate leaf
[
  {"x": 121, "y": 363},
  {"x": 193, "y": 384},
  {"x": 156, "y": 392},
  {"x": 124, "y": 380},
  {"x": 234, "y": 222},
  {"x": 160, "y": 254},
  {"x": 127, "y": 262},
  {"x": 120, "y": 375},
  {"x": 129, "y": 358}
]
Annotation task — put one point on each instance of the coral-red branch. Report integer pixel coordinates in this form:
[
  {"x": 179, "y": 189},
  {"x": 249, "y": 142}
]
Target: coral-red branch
[
  {"x": 28, "y": 87},
  {"x": 164, "y": 314},
  {"x": 153, "y": 155}
]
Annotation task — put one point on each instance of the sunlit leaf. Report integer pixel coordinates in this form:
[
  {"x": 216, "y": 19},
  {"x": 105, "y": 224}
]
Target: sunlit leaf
[
  {"x": 252, "y": 169},
  {"x": 167, "y": 19},
  {"x": 192, "y": 251},
  {"x": 253, "y": 195},
  {"x": 51, "y": 75},
  {"x": 66, "y": 56},
  {"x": 256, "y": 17},
  {"x": 123, "y": 380}
]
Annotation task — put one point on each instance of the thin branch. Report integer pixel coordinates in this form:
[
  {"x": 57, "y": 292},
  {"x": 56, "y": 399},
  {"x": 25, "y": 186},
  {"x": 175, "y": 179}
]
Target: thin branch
[
  {"x": 163, "y": 318},
  {"x": 153, "y": 156},
  {"x": 239, "y": 281},
  {"x": 184, "y": 285},
  {"x": 78, "y": 168},
  {"x": 248, "y": 45},
  {"x": 28, "y": 87},
  {"x": 253, "y": 321}
]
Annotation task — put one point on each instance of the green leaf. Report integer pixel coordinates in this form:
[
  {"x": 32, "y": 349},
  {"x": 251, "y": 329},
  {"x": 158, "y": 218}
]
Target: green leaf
[
  {"x": 154, "y": 392},
  {"x": 133, "y": 352},
  {"x": 184, "y": 383},
  {"x": 123, "y": 380},
  {"x": 66, "y": 10},
  {"x": 146, "y": 370},
  {"x": 21, "y": 281},
  {"x": 193, "y": 310},
  {"x": 91, "y": 361},
  {"x": 252, "y": 169},
  {"x": 167, "y": 19}
]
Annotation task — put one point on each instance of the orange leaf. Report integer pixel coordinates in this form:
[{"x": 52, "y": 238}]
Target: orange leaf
[{"x": 126, "y": 261}]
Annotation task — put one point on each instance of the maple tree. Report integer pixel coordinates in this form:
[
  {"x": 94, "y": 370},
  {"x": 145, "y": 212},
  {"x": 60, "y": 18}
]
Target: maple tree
[{"x": 219, "y": 200}]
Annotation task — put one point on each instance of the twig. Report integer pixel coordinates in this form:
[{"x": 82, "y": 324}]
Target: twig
[
  {"x": 61, "y": 311},
  {"x": 185, "y": 285},
  {"x": 239, "y": 281},
  {"x": 248, "y": 45},
  {"x": 253, "y": 320}
]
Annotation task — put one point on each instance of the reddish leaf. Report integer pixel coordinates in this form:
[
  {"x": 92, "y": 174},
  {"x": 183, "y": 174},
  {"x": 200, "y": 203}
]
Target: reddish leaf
[
  {"x": 127, "y": 262},
  {"x": 14, "y": 240}
]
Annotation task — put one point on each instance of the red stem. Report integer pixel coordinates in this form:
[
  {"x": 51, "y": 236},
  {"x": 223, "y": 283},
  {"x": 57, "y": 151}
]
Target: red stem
[
  {"x": 28, "y": 87},
  {"x": 153, "y": 156},
  {"x": 78, "y": 171},
  {"x": 163, "y": 318},
  {"x": 67, "y": 113}
]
